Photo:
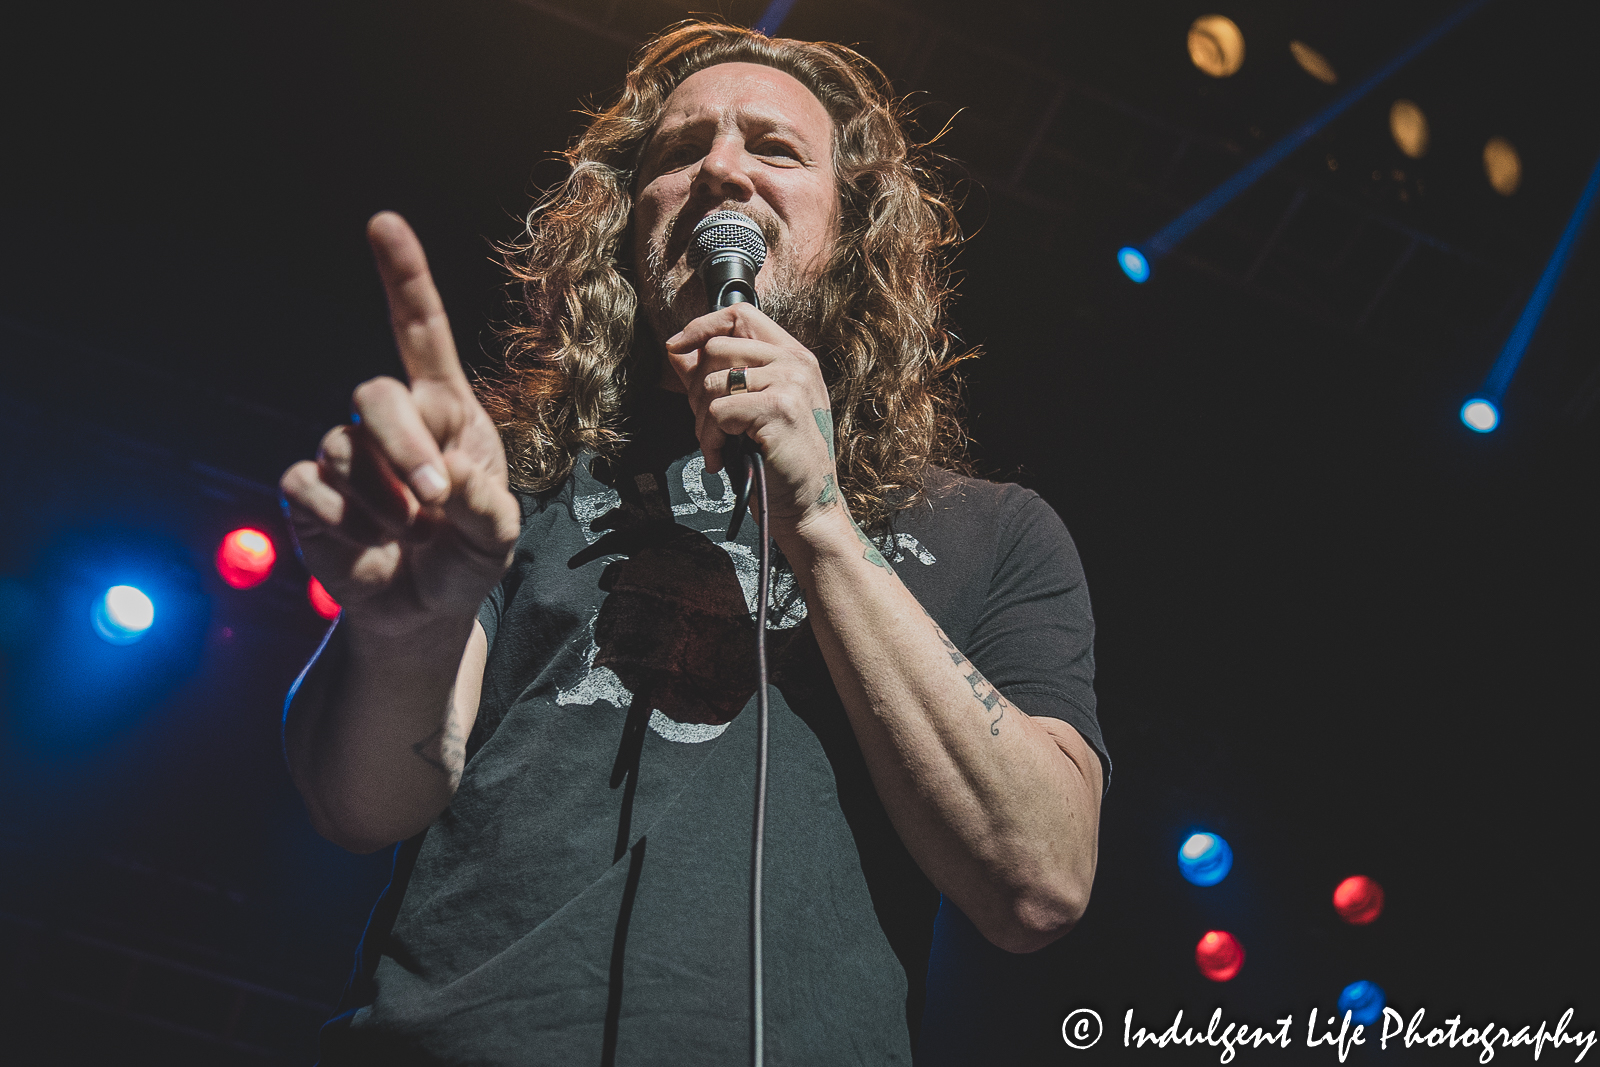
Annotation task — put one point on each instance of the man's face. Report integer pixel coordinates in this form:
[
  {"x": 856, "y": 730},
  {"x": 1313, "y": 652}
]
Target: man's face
[{"x": 739, "y": 137}]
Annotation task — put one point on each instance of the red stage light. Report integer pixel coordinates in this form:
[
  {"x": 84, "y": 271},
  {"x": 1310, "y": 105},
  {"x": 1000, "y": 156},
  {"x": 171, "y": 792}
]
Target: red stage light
[
  {"x": 325, "y": 605},
  {"x": 1219, "y": 955},
  {"x": 245, "y": 558},
  {"x": 1358, "y": 900}
]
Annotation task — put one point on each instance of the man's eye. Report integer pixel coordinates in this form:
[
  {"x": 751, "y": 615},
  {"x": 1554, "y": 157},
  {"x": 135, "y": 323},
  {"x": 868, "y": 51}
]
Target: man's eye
[
  {"x": 679, "y": 155},
  {"x": 777, "y": 148}
]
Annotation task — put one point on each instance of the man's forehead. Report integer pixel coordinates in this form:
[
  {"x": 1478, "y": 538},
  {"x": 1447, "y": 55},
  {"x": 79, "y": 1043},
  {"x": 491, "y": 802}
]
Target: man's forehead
[{"x": 766, "y": 94}]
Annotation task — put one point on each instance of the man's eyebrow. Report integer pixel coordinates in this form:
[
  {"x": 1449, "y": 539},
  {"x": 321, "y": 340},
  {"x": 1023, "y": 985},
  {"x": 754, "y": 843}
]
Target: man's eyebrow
[
  {"x": 664, "y": 133},
  {"x": 774, "y": 124},
  {"x": 667, "y": 131},
  {"x": 765, "y": 122}
]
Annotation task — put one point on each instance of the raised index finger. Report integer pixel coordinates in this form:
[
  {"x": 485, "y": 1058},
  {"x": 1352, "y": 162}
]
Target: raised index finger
[{"x": 416, "y": 312}]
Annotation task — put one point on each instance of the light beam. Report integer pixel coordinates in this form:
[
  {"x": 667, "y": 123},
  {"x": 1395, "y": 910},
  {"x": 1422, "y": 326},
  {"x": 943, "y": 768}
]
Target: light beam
[
  {"x": 1505, "y": 365},
  {"x": 771, "y": 19},
  {"x": 1168, "y": 238}
]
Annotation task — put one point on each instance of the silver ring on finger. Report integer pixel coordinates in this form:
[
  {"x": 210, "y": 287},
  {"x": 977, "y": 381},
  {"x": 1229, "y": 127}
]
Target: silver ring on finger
[{"x": 736, "y": 381}]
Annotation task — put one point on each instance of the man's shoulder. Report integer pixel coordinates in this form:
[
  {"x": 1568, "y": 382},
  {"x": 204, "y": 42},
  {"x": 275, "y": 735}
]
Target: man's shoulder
[
  {"x": 578, "y": 480},
  {"x": 949, "y": 491},
  {"x": 979, "y": 514}
]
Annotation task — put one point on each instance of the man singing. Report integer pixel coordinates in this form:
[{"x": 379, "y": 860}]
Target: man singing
[{"x": 542, "y": 684}]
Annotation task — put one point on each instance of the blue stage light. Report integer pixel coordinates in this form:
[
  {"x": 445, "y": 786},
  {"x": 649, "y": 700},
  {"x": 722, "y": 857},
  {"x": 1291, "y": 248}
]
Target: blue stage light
[
  {"x": 1133, "y": 263},
  {"x": 1205, "y": 859},
  {"x": 122, "y": 615},
  {"x": 1364, "y": 1001},
  {"x": 1480, "y": 415}
]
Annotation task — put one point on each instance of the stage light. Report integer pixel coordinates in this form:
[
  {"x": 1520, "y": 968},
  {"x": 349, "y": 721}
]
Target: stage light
[
  {"x": 1480, "y": 415},
  {"x": 1364, "y": 1002},
  {"x": 1502, "y": 165},
  {"x": 1219, "y": 955},
  {"x": 122, "y": 615},
  {"x": 1133, "y": 263},
  {"x": 1204, "y": 859},
  {"x": 1216, "y": 46},
  {"x": 324, "y": 604},
  {"x": 1358, "y": 900},
  {"x": 245, "y": 558},
  {"x": 1313, "y": 62},
  {"x": 1409, "y": 128},
  {"x": 1169, "y": 236}
]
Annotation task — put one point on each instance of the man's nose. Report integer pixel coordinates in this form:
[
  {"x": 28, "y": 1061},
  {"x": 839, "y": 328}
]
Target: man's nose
[{"x": 725, "y": 171}]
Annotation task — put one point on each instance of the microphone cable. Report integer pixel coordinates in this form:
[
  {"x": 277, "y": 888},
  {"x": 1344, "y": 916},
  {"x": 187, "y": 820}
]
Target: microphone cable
[
  {"x": 754, "y": 480},
  {"x": 756, "y": 472},
  {"x": 726, "y": 250}
]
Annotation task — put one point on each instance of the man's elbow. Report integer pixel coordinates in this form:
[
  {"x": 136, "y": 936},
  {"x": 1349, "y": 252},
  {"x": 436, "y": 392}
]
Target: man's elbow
[
  {"x": 351, "y": 841},
  {"x": 1036, "y": 918},
  {"x": 355, "y": 827}
]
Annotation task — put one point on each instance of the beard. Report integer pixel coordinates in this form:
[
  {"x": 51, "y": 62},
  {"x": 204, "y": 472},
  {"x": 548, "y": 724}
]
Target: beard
[{"x": 789, "y": 295}]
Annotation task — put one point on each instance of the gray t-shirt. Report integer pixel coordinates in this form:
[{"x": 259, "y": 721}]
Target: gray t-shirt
[{"x": 585, "y": 897}]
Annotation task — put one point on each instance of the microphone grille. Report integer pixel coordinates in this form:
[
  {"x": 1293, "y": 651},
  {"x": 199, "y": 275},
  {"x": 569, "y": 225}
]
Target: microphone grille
[{"x": 727, "y": 231}]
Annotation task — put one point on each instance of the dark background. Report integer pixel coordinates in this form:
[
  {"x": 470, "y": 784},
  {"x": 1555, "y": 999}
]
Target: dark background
[{"x": 1334, "y": 625}]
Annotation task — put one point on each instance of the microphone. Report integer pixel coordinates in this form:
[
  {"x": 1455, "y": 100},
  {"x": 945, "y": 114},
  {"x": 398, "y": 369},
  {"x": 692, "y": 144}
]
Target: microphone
[{"x": 726, "y": 249}]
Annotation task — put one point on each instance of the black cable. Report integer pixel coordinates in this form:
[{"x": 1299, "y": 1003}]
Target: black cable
[{"x": 755, "y": 470}]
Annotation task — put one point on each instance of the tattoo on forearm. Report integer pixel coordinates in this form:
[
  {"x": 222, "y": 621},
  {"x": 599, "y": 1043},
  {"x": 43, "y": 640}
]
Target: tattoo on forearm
[
  {"x": 949, "y": 646},
  {"x": 824, "y": 419},
  {"x": 989, "y": 697},
  {"x": 829, "y": 494},
  {"x": 871, "y": 555},
  {"x": 444, "y": 750},
  {"x": 986, "y": 694}
]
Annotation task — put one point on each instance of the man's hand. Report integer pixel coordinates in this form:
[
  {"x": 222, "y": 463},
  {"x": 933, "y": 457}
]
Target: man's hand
[
  {"x": 405, "y": 516},
  {"x": 786, "y": 409}
]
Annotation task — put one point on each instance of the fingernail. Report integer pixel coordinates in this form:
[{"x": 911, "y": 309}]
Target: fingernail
[
  {"x": 428, "y": 482},
  {"x": 674, "y": 338}
]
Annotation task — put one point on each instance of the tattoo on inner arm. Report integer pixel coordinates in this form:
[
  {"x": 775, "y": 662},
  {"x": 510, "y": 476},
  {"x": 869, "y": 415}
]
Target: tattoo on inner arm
[
  {"x": 830, "y": 488},
  {"x": 444, "y": 750},
  {"x": 986, "y": 694},
  {"x": 824, "y": 419}
]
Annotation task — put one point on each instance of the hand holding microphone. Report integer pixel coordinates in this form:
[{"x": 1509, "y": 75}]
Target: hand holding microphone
[{"x": 726, "y": 250}]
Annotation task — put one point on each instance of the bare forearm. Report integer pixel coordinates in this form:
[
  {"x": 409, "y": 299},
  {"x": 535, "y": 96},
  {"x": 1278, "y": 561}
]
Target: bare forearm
[
  {"x": 999, "y": 809},
  {"x": 376, "y": 730}
]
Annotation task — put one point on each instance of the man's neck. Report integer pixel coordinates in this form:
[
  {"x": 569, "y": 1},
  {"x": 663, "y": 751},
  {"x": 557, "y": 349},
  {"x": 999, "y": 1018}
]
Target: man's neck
[{"x": 661, "y": 424}]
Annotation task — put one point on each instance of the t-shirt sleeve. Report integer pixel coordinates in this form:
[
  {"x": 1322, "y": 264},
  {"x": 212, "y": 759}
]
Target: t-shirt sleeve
[
  {"x": 494, "y": 605},
  {"x": 1034, "y": 640},
  {"x": 490, "y": 610}
]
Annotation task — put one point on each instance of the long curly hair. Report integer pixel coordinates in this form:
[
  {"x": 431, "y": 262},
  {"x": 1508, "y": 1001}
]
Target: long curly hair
[{"x": 572, "y": 364}]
